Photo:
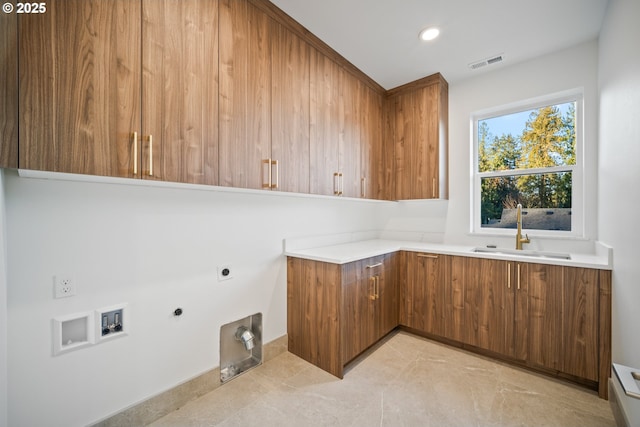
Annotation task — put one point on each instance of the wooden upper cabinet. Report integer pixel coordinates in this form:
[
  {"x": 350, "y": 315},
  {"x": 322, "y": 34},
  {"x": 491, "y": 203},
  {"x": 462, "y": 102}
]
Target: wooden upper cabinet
[
  {"x": 349, "y": 147},
  {"x": 336, "y": 129},
  {"x": 80, "y": 86},
  {"x": 375, "y": 165},
  {"x": 9, "y": 90},
  {"x": 324, "y": 125},
  {"x": 418, "y": 114},
  {"x": 245, "y": 95},
  {"x": 290, "y": 94},
  {"x": 92, "y": 75},
  {"x": 180, "y": 91}
]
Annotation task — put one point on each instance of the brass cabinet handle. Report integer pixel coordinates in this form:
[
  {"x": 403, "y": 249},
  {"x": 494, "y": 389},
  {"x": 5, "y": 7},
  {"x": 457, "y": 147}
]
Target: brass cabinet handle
[
  {"x": 518, "y": 276},
  {"x": 135, "y": 153},
  {"x": 377, "y": 287},
  {"x": 374, "y": 265},
  {"x": 363, "y": 186},
  {"x": 268, "y": 183},
  {"x": 508, "y": 275},
  {"x": 150, "y": 155},
  {"x": 270, "y": 164},
  {"x": 341, "y": 184},
  {"x": 372, "y": 288},
  {"x": 336, "y": 185},
  {"x": 427, "y": 256},
  {"x": 275, "y": 163}
]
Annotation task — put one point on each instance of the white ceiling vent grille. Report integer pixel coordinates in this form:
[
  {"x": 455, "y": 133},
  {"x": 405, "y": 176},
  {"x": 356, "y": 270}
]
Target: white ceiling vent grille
[{"x": 487, "y": 61}]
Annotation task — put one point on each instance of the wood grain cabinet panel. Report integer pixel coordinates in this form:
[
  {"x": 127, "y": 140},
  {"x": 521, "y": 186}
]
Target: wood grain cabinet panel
[
  {"x": 553, "y": 318},
  {"x": 80, "y": 86},
  {"x": 488, "y": 305},
  {"x": 314, "y": 296},
  {"x": 375, "y": 156},
  {"x": 9, "y": 90},
  {"x": 425, "y": 292},
  {"x": 324, "y": 124},
  {"x": 180, "y": 91},
  {"x": 92, "y": 72},
  {"x": 344, "y": 120},
  {"x": 335, "y": 312},
  {"x": 245, "y": 94},
  {"x": 418, "y": 114},
  {"x": 290, "y": 98},
  {"x": 562, "y": 321}
]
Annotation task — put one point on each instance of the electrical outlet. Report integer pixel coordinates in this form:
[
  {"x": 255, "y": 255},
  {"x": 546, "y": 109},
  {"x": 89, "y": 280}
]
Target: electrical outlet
[
  {"x": 225, "y": 272},
  {"x": 64, "y": 286}
]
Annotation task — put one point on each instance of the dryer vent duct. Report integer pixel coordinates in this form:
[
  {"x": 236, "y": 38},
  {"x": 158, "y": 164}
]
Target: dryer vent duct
[{"x": 487, "y": 61}]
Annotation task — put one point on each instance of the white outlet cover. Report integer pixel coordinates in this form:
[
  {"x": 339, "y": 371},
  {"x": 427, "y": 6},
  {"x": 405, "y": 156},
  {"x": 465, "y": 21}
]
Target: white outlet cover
[
  {"x": 64, "y": 286},
  {"x": 225, "y": 272}
]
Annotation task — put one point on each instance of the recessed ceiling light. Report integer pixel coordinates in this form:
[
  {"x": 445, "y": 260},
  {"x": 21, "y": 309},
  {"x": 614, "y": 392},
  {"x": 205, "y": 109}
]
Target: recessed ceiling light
[{"x": 429, "y": 34}]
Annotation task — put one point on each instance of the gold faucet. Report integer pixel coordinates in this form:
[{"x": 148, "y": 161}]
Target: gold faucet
[{"x": 519, "y": 239}]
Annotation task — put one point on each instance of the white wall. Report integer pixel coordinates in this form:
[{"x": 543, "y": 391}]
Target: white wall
[
  {"x": 156, "y": 249},
  {"x": 3, "y": 309},
  {"x": 619, "y": 175},
  {"x": 564, "y": 70}
]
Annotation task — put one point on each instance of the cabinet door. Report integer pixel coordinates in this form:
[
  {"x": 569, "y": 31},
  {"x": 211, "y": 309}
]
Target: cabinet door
[
  {"x": 542, "y": 286},
  {"x": 455, "y": 301},
  {"x": 387, "y": 310},
  {"x": 180, "y": 91},
  {"x": 349, "y": 149},
  {"x": 80, "y": 86},
  {"x": 245, "y": 94},
  {"x": 420, "y": 122},
  {"x": 313, "y": 313},
  {"x": 580, "y": 322},
  {"x": 488, "y": 305},
  {"x": 324, "y": 124},
  {"x": 9, "y": 90},
  {"x": 424, "y": 294},
  {"x": 373, "y": 155},
  {"x": 290, "y": 110},
  {"x": 358, "y": 308}
]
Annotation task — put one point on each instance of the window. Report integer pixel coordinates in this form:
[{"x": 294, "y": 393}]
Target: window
[{"x": 529, "y": 154}]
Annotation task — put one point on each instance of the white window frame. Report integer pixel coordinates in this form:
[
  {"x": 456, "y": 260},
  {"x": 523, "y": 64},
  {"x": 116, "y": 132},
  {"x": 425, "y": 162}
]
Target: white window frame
[{"x": 577, "y": 171}]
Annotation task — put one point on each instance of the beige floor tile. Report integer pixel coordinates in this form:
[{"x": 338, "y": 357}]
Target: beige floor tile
[{"x": 405, "y": 381}]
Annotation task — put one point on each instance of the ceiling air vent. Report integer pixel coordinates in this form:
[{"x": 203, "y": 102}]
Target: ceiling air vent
[{"x": 488, "y": 61}]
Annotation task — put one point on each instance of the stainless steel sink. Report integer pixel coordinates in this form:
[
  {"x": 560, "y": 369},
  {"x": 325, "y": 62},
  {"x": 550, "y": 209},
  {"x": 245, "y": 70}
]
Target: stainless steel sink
[{"x": 527, "y": 253}]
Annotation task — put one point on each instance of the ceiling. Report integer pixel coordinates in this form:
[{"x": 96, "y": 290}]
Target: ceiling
[{"x": 380, "y": 37}]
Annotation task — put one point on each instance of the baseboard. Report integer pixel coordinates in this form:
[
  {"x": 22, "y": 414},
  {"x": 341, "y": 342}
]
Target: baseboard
[
  {"x": 616, "y": 407},
  {"x": 166, "y": 402}
]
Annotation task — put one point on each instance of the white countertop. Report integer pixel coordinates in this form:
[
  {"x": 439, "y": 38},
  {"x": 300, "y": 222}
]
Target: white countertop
[{"x": 353, "y": 251}]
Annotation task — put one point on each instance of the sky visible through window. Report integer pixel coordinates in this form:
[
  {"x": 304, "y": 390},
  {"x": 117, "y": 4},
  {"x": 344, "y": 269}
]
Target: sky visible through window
[{"x": 514, "y": 124}]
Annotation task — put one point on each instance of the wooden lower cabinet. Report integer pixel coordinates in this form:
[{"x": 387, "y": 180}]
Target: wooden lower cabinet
[
  {"x": 554, "y": 319},
  {"x": 549, "y": 317},
  {"x": 425, "y": 297},
  {"x": 335, "y": 312},
  {"x": 488, "y": 319},
  {"x": 561, "y": 323}
]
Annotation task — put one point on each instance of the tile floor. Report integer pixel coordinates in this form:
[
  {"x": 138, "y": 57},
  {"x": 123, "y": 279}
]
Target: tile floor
[{"x": 405, "y": 381}]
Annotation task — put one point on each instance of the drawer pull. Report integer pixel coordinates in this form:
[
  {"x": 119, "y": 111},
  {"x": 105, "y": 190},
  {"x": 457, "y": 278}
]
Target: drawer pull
[
  {"x": 427, "y": 256},
  {"x": 374, "y": 265}
]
